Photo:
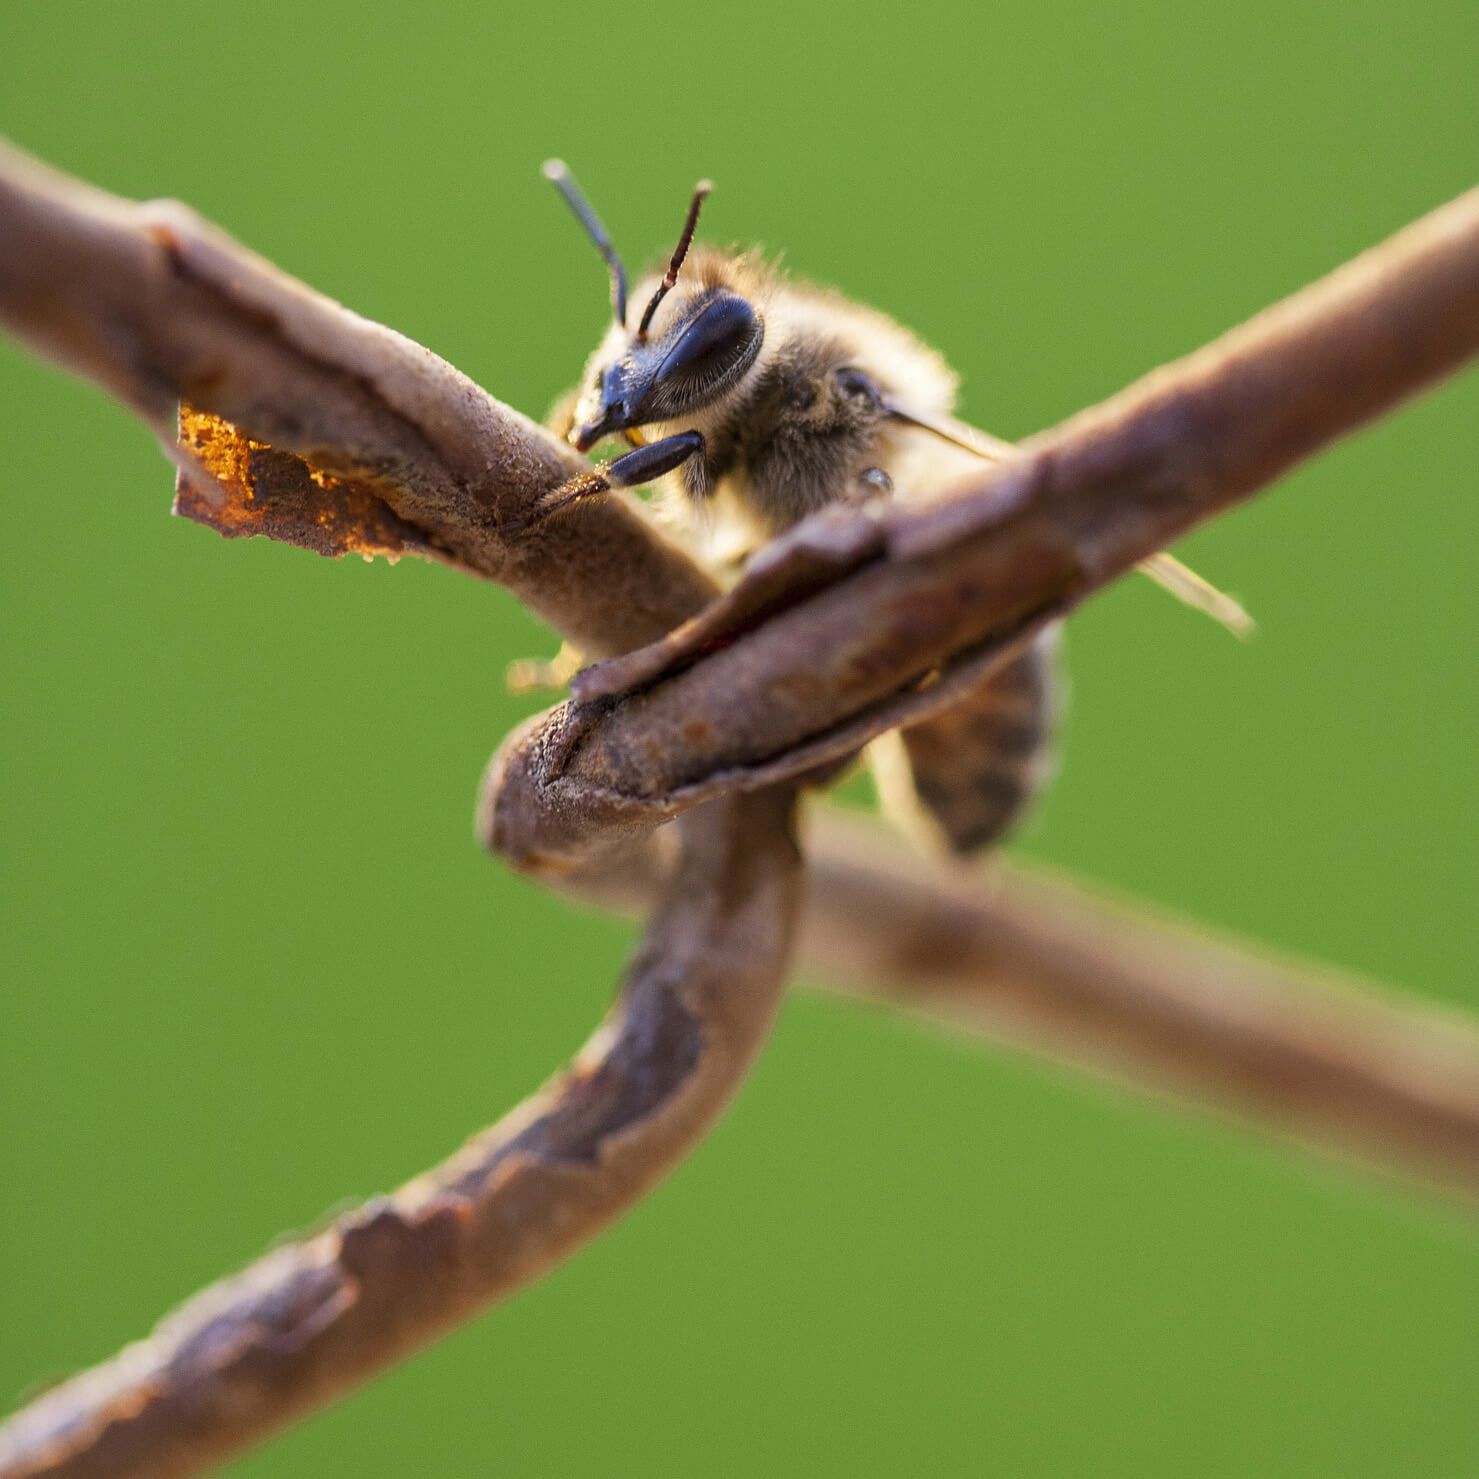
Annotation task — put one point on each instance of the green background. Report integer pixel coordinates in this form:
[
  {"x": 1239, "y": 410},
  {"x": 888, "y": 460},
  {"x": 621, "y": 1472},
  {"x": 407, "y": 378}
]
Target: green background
[{"x": 230, "y": 1004}]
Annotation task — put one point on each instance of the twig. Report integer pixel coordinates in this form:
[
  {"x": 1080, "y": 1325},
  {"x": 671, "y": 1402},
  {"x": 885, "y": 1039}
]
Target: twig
[
  {"x": 392, "y": 444},
  {"x": 158, "y": 307},
  {"x": 317, "y": 426},
  {"x": 898, "y": 616},
  {"x": 1024, "y": 958},
  {"x": 312, "y": 1319}
]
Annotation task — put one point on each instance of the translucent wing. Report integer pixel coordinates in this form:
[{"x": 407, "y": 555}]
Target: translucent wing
[
  {"x": 968, "y": 774},
  {"x": 1166, "y": 570}
]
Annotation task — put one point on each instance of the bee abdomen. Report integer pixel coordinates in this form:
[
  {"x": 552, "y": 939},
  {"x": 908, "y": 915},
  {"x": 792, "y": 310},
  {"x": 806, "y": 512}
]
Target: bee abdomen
[{"x": 976, "y": 766}]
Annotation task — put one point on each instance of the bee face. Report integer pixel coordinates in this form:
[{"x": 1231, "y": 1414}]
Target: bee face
[
  {"x": 706, "y": 343},
  {"x": 767, "y": 400}
]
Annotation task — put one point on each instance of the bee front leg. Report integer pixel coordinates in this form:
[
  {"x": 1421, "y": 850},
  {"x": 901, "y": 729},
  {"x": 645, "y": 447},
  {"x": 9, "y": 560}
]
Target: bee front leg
[
  {"x": 535, "y": 675},
  {"x": 630, "y": 470}
]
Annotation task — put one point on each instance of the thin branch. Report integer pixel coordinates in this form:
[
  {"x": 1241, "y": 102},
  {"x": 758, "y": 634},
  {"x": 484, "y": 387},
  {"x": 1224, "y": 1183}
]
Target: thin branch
[
  {"x": 157, "y": 307},
  {"x": 896, "y": 616},
  {"x": 1036, "y": 961},
  {"x": 312, "y": 424},
  {"x": 313, "y": 1319},
  {"x": 376, "y": 443},
  {"x": 1028, "y": 959}
]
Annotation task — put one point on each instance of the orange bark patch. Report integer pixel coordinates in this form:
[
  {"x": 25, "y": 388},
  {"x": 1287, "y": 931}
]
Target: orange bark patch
[{"x": 253, "y": 488}]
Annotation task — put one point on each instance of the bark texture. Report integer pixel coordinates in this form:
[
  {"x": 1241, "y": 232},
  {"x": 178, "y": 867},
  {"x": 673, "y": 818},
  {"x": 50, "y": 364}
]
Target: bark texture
[{"x": 289, "y": 416}]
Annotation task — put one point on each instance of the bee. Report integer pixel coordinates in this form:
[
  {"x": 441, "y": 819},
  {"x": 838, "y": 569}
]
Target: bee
[{"x": 751, "y": 400}]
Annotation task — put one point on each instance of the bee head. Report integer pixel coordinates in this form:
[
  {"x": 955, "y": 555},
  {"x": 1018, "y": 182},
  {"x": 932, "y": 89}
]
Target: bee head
[{"x": 673, "y": 362}]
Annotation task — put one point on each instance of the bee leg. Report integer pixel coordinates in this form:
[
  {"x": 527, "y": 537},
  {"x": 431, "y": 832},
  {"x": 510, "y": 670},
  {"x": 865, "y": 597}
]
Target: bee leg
[
  {"x": 630, "y": 470},
  {"x": 531, "y": 674},
  {"x": 657, "y": 459}
]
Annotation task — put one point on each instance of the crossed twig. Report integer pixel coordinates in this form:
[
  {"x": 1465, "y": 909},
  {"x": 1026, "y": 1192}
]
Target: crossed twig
[{"x": 298, "y": 420}]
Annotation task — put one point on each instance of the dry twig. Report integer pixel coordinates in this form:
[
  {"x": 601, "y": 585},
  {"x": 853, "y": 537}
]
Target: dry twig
[
  {"x": 307, "y": 423},
  {"x": 852, "y": 625},
  {"x": 1028, "y": 959},
  {"x": 401, "y": 452}
]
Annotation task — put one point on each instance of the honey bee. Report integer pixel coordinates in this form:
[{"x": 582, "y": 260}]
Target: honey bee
[{"x": 751, "y": 400}]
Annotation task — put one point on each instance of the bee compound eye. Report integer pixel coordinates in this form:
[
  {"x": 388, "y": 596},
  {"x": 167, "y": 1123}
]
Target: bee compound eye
[{"x": 716, "y": 346}]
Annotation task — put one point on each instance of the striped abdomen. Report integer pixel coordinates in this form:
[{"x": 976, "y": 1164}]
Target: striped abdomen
[{"x": 975, "y": 766}]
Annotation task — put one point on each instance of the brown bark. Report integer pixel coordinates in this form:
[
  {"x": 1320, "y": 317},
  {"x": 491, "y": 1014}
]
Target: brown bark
[
  {"x": 330, "y": 418},
  {"x": 306, "y": 423},
  {"x": 1020, "y": 957},
  {"x": 900, "y": 615}
]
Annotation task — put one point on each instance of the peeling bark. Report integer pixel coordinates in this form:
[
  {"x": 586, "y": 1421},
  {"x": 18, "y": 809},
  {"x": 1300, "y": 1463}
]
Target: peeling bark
[{"x": 303, "y": 422}]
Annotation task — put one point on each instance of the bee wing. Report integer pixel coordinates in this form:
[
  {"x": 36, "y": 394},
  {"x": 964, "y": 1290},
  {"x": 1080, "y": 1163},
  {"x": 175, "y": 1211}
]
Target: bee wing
[
  {"x": 1201, "y": 595},
  {"x": 1166, "y": 570},
  {"x": 948, "y": 429},
  {"x": 967, "y": 774}
]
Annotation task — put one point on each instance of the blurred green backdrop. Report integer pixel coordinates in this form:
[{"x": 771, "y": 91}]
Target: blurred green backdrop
[{"x": 227, "y": 1006}]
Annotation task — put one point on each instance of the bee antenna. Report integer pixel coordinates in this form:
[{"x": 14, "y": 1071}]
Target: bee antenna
[
  {"x": 700, "y": 194},
  {"x": 557, "y": 172}
]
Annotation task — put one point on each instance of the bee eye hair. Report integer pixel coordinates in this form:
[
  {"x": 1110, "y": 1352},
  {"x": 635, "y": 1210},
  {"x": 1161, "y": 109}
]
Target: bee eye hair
[{"x": 711, "y": 352}]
